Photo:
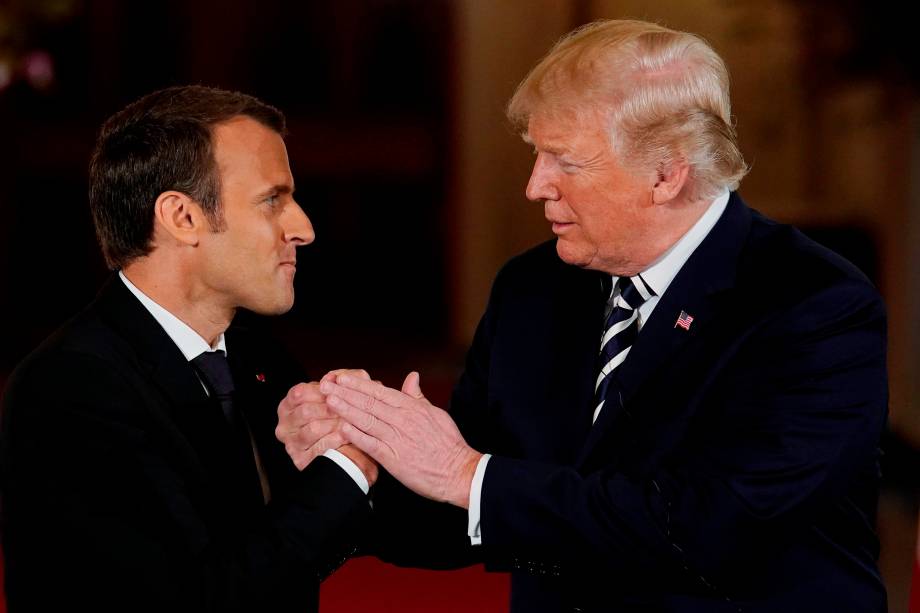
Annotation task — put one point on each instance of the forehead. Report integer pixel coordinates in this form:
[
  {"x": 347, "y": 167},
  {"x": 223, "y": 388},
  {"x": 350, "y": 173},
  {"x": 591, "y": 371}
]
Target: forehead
[
  {"x": 244, "y": 149},
  {"x": 561, "y": 132}
]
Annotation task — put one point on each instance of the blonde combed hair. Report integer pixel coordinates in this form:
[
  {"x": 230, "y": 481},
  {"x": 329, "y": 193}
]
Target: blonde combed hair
[{"x": 664, "y": 94}]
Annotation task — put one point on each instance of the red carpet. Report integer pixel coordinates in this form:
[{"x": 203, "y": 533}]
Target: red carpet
[{"x": 370, "y": 586}]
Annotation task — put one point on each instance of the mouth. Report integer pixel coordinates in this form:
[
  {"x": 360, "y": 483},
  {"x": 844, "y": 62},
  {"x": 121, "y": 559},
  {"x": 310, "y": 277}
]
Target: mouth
[{"x": 560, "y": 227}]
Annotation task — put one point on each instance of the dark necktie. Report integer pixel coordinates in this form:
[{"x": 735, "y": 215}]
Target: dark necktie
[
  {"x": 215, "y": 370},
  {"x": 215, "y": 373},
  {"x": 620, "y": 332}
]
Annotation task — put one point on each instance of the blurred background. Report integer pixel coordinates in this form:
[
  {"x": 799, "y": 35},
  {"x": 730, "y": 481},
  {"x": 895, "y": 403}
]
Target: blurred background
[{"x": 414, "y": 180}]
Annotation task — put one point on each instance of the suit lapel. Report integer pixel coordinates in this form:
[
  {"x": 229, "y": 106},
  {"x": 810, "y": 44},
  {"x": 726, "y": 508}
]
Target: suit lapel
[
  {"x": 196, "y": 425},
  {"x": 259, "y": 388},
  {"x": 579, "y": 305},
  {"x": 699, "y": 289},
  {"x": 157, "y": 354}
]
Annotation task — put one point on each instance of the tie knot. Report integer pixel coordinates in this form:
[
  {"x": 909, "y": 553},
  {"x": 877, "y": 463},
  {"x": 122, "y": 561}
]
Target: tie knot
[
  {"x": 634, "y": 291},
  {"x": 214, "y": 368}
]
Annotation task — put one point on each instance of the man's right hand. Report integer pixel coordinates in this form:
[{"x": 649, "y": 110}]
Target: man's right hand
[{"x": 307, "y": 427}]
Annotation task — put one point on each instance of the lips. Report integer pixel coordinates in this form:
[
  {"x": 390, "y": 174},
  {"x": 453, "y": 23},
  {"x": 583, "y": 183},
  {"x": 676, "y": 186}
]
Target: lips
[{"x": 560, "y": 226}]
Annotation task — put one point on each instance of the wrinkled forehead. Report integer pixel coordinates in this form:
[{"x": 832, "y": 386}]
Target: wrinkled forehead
[{"x": 551, "y": 125}]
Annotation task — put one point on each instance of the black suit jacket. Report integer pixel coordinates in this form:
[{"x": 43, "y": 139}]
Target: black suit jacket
[
  {"x": 121, "y": 488},
  {"x": 734, "y": 466}
]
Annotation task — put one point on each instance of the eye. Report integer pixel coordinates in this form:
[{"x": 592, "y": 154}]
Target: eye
[
  {"x": 569, "y": 167},
  {"x": 272, "y": 200}
]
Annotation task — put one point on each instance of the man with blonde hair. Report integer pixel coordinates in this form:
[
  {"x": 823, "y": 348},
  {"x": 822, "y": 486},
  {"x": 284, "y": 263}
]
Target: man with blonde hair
[{"x": 676, "y": 404}]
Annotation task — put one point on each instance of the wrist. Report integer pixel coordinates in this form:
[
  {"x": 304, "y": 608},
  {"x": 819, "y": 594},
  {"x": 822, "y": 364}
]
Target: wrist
[
  {"x": 360, "y": 459},
  {"x": 460, "y": 494}
]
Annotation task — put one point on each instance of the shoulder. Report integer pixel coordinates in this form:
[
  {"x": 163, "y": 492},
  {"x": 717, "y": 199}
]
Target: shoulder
[
  {"x": 780, "y": 251},
  {"x": 539, "y": 271},
  {"x": 537, "y": 261},
  {"x": 84, "y": 364},
  {"x": 783, "y": 271}
]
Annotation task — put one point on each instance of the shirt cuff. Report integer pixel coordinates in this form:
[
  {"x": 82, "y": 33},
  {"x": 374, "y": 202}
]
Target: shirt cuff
[
  {"x": 475, "y": 517},
  {"x": 349, "y": 467}
]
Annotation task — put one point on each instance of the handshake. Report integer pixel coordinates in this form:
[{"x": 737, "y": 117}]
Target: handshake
[{"x": 371, "y": 424}]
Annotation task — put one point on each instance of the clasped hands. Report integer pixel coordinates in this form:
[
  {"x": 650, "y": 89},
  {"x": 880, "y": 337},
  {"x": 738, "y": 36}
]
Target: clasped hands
[{"x": 415, "y": 441}]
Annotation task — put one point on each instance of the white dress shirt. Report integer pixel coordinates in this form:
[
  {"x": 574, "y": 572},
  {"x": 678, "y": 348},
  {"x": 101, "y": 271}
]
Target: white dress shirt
[
  {"x": 658, "y": 277},
  {"x": 191, "y": 344}
]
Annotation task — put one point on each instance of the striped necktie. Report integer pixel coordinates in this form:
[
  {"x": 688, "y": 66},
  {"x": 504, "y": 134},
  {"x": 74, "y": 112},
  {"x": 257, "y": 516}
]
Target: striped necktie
[{"x": 620, "y": 332}]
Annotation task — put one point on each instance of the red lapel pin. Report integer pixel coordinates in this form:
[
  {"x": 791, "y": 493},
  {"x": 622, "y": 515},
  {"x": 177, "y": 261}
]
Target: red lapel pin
[{"x": 260, "y": 378}]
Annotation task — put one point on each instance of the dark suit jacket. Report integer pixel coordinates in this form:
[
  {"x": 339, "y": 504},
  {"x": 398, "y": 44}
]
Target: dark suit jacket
[
  {"x": 120, "y": 484},
  {"x": 734, "y": 466}
]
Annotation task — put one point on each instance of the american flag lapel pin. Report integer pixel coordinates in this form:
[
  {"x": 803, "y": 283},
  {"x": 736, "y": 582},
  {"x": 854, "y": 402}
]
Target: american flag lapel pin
[{"x": 684, "y": 320}]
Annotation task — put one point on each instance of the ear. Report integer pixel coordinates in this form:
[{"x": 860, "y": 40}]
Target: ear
[
  {"x": 180, "y": 217},
  {"x": 672, "y": 176}
]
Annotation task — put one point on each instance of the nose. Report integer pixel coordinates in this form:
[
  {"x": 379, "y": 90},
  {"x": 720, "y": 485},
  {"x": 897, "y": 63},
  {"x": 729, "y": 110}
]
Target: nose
[
  {"x": 541, "y": 185},
  {"x": 297, "y": 226}
]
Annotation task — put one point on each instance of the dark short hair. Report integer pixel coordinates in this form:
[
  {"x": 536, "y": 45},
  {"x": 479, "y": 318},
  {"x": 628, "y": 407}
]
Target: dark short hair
[{"x": 159, "y": 143}]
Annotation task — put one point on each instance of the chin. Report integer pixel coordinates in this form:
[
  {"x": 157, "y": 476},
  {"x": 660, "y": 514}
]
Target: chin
[
  {"x": 570, "y": 255},
  {"x": 279, "y": 306}
]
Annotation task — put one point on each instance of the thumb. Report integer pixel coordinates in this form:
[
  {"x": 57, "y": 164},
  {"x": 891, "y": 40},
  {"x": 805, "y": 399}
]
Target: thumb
[{"x": 411, "y": 386}]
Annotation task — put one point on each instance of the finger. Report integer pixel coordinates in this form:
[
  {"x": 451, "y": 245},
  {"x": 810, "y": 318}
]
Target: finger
[
  {"x": 302, "y": 392},
  {"x": 313, "y": 411},
  {"x": 310, "y": 433},
  {"x": 358, "y": 372},
  {"x": 302, "y": 456},
  {"x": 360, "y": 418},
  {"x": 376, "y": 391},
  {"x": 412, "y": 385},
  {"x": 376, "y": 449},
  {"x": 291, "y": 421},
  {"x": 356, "y": 399}
]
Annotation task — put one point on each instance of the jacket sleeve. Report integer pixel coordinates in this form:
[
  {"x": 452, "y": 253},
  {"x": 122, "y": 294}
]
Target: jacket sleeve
[
  {"x": 791, "y": 420},
  {"x": 97, "y": 502}
]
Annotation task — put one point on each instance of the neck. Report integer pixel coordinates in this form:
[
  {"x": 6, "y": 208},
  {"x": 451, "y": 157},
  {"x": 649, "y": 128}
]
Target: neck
[
  {"x": 675, "y": 220},
  {"x": 181, "y": 294}
]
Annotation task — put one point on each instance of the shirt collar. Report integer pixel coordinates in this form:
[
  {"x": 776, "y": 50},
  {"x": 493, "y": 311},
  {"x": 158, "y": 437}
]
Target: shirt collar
[
  {"x": 189, "y": 342},
  {"x": 659, "y": 275}
]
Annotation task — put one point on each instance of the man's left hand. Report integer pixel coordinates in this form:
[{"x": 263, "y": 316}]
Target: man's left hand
[{"x": 415, "y": 441}]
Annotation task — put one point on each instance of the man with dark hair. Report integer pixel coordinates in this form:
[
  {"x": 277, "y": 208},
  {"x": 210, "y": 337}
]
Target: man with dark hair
[{"x": 139, "y": 466}]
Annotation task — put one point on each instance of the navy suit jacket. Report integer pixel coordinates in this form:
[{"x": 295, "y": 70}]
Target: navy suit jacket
[
  {"x": 735, "y": 464},
  {"x": 122, "y": 488}
]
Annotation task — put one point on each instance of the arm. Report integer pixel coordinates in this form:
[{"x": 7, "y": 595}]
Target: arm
[
  {"x": 789, "y": 428},
  {"x": 779, "y": 440},
  {"x": 405, "y": 528},
  {"x": 101, "y": 496}
]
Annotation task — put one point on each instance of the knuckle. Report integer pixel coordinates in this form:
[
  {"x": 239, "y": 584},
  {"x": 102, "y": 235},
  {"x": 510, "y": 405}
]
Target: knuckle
[
  {"x": 309, "y": 411},
  {"x": 313, "y": 429}
]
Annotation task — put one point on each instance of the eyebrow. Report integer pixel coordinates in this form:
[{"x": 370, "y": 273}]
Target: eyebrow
[
  {"x": 552, "y": 147},
  {"x": 279, "y": 189}
]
